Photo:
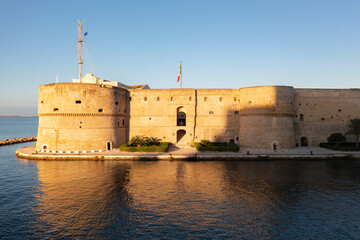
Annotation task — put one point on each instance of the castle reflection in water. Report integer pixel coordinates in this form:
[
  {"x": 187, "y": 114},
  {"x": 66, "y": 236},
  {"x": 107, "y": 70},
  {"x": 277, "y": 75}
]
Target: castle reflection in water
[{"x": 80, "y": 199}]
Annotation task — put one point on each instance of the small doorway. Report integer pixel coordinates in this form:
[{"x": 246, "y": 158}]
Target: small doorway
[
  {"x": 304, "y": 141},
  {"x": 274, "y": 146},
  {"x": 108, "y": 145},
  {"x": 180, "y": 136}
]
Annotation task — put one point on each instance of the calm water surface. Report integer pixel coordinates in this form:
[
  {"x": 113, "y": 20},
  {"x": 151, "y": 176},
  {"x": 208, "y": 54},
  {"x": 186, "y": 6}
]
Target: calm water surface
[{"x": 162, "y": 199}]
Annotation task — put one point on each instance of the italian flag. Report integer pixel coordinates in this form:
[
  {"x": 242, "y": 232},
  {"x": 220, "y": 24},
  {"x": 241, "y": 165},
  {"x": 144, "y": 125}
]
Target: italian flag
[{"x": 179, "y": 73}]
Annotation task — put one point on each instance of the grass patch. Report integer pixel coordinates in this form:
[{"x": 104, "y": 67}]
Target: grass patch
[
  {"x": 216, "y": 147},
  {"x": 162, "y": 147},
  {"x": 346, "y": 146}
]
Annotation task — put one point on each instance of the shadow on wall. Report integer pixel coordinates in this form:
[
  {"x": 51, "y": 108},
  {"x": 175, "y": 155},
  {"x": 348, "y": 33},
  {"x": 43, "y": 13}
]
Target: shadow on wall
[{"x": 262, "y": 117}]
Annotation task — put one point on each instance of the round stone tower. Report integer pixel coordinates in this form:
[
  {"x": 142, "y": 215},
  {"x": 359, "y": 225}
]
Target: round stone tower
[
  {"x": 267, "y": 117},
  {"x": 81, "y": 117}
]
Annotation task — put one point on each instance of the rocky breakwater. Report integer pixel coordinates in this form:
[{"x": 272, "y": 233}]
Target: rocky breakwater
[{"x": 17, "y": 140}]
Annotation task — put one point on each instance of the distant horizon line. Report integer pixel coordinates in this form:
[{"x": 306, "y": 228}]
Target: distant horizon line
[{"x": 10, "y": 116}]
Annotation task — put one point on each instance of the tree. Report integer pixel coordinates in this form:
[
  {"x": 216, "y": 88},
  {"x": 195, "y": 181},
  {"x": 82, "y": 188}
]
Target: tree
[
  {"x": 138, "y": 140},
  {"x": 336, "y": 138},
  {"x": 354, "y": 128}
]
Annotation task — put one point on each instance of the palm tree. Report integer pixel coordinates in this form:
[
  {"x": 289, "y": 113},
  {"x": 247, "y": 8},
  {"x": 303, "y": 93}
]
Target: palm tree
[
  {"x": 153, "y": 141},
  {"x": 138, "y": 140},
  {"x": 354, "y": 128}
]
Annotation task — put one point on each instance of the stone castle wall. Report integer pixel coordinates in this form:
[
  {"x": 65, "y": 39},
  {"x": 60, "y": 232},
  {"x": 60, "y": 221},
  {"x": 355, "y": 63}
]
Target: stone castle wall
[
  {"x": 258, "y": 117},
  {"x": 266, "y": 114},
  {"x": 320, "y": 112},
  {"x": 76, "y": 116}
]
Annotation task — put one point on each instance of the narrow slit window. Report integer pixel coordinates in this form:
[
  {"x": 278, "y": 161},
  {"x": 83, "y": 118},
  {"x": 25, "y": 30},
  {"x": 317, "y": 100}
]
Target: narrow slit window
[
  {"x": 77, "y": 101},
  {"x": 123, "y": 122},
  {"x": 301, "y": 117}
]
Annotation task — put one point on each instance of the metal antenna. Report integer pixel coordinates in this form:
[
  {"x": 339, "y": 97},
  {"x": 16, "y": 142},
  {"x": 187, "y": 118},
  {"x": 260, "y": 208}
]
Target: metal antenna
[{"x": 80, "y": 61}]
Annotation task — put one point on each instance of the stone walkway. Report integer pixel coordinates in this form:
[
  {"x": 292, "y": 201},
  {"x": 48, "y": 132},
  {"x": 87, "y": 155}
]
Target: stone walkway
[{"x": 187, "y": 152}]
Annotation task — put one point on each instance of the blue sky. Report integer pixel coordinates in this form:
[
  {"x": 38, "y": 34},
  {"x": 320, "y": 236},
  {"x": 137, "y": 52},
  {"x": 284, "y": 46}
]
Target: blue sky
[{"x": 222, "y": 44}]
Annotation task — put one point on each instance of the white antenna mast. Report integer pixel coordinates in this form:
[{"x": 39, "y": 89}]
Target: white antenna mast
[{"x": 80, "y": 62}]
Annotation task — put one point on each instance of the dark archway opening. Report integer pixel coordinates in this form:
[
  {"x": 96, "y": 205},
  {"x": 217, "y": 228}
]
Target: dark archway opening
[
  {"x": 181, "y": 117},
  {"x": 180, "y": 136},
  {"x": 304, "y": 142},
  {"x": 274, "y": 146},
  {"x": 108, "y": 146}
]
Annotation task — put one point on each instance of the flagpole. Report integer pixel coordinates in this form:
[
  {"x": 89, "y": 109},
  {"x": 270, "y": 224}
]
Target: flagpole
[{"x": 181, "y": 74}]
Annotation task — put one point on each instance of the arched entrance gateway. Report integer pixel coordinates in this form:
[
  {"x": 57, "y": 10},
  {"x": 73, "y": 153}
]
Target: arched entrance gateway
[{"x": 180, "y": 136}]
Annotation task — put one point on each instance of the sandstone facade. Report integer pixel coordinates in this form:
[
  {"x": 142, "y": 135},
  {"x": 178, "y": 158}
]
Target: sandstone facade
[{"x": 90, "y": 116}]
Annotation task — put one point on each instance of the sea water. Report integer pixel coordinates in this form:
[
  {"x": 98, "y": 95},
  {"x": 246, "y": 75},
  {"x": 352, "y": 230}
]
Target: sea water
[{"x": 175, "y": 199}]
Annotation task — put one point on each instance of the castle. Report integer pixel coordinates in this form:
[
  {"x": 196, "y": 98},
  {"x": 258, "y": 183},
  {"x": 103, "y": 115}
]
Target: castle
[{"x": 97, "y": 115}]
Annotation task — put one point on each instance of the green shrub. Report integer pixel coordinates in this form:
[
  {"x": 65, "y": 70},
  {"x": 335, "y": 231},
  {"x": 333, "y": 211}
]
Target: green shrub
[
  {"x": 141, "y": 140},
  {"x": 336, "y": 138},
  {"x": 205, "y": 142},
  {"x": 216, "y": 146},
  {"x": 138, "y": 140},
  {"x": 161, "y": 147},
  {"x": 347, "y": 146}
]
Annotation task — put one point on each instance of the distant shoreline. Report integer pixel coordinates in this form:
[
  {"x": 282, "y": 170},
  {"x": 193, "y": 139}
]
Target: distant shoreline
[{"x": 5, "y": 116}]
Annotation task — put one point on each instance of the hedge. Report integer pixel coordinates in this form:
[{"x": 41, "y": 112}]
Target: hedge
[
  {"x": 217, "y": 147},
  {"x": 163, "y": 147},
  {"x": 345, "y": 146}
]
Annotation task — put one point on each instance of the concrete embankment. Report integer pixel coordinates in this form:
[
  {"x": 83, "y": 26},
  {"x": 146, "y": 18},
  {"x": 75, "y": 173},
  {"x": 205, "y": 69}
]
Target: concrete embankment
[
  {"x": 190, "y": 154},
  {"x": 17, "y": 140}
]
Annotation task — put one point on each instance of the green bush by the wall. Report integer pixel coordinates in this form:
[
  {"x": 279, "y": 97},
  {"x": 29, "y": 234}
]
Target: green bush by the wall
[
  {"x": 162, "y": 147},
  {"x": 346, "y": 146},
  {"x": 216, "y": 146}
]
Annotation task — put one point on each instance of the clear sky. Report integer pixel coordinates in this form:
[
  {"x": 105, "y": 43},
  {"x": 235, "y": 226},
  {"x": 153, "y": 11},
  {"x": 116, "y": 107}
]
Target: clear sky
[{"x": 222, "y": 44}]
